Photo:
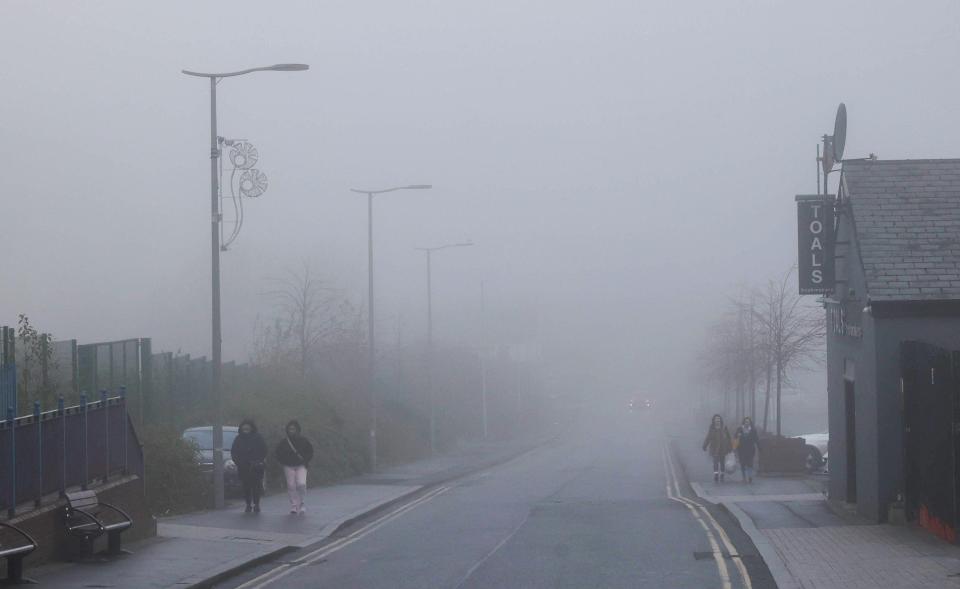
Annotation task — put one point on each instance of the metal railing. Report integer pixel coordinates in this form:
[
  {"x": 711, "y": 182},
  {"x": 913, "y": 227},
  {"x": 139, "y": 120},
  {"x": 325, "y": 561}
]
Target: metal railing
[{"x": 51, "y": 451}]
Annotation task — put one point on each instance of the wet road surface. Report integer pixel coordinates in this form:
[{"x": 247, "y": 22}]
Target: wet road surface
[{"x": 603, "y": 506}]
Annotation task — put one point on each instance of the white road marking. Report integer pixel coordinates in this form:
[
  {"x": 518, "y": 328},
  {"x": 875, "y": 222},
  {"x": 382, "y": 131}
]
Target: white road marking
[
  {"x": 496, "y": 548},
  {"x": 731, "y": 550},
  {"x": 285, "y": 569}
]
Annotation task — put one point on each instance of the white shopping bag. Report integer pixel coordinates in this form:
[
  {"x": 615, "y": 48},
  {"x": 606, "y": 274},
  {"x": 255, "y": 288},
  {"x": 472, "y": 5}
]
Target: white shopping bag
[{"x": 730, "y": 463}]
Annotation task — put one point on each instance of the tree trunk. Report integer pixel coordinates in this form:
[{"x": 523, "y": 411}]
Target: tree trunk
[
  {"x": 779, "y": 379},
  {"x": 766, "y": 401}
]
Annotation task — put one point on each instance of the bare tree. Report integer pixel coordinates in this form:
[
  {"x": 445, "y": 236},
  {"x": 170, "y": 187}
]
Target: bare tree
[
  {"x": 793, "y": 336},
  {"x": 732, "y": 356},
  {"x": 309, "y": 314}
]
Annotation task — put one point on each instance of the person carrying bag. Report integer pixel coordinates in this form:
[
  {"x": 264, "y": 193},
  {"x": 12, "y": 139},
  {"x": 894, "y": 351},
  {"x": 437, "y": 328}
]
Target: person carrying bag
[{"x": 294, "y": 453}]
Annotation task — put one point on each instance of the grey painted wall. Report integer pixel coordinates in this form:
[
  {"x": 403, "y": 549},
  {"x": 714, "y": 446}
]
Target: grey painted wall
[
  {"x": 851, "y": 292},
  {"x": 876, "y": 356}
]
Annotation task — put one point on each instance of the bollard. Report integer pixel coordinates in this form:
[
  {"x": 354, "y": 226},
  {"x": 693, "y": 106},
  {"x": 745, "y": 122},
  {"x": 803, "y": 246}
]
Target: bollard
[
  {"x": 106, "y": 433},
  {"x": 12, "y": 425},
  {"x": 61, "y": 411},
  {"x": 39, "y": 424},
  {"x": 126, "y": 433},
  {"x": 83, "y": 443}
]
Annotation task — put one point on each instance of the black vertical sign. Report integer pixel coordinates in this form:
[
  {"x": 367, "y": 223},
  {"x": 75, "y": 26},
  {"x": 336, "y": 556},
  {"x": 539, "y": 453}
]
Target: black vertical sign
[{"x": 815, "y": 266}]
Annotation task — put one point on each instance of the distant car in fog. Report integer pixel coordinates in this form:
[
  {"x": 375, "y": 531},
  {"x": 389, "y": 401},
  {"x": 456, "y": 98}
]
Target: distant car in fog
[
  {"x": 816, "y": 450},
  {"x": 638, "y": 405},
  {"x": 202, "y": 438}
]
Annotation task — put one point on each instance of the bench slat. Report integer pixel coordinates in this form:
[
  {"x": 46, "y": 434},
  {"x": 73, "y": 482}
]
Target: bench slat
[
  {"x": 117, "y": 526},
  {"x": 82, "y": 503},
  {"x": 5, "y": 552}
]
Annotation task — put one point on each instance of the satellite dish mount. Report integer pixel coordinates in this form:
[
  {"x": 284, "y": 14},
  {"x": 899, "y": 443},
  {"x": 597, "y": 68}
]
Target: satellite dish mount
[{"x": 833, "y": 146}]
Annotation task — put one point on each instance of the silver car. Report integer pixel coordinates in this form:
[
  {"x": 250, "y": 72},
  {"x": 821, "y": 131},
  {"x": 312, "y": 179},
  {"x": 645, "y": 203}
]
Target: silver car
[{"x": 202, "y": 437}]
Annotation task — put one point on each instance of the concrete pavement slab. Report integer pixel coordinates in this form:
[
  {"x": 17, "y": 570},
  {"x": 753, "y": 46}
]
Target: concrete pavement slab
[
  {"x": 328, "y": 508},
  {"x": 157, "y": 562}
]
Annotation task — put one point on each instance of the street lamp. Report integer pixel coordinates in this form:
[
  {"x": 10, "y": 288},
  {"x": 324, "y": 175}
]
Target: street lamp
[
  {"x": 433, "y": 409},
  {"x": 371, "y": 358},
  {"x": 215, "y": 219}
]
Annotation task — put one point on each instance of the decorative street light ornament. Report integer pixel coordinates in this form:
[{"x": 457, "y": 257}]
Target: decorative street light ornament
[
  {"x": 253, "y": 183},
  {"x": 244, "y": 155}
]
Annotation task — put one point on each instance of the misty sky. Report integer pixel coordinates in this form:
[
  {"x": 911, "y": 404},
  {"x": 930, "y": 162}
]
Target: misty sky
[{"x": 621, "y": 166}]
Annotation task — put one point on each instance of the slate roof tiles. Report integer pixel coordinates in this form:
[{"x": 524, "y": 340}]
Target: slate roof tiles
[{"x": 907, "y": 219}]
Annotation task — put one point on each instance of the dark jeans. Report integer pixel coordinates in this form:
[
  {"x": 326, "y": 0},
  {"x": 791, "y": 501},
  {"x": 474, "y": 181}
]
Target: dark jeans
[
  {"x": 251, "y": 478},
  {"x": 718, "y": 464}
]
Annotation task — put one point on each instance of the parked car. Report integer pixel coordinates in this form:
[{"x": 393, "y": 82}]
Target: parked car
[
  {"x": 202, "y": 437},
  {"x": 816, "y": 450}
]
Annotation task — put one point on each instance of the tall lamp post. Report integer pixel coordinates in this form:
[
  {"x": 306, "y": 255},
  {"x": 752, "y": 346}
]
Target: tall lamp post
[
  {"x": 433, "y": 405},
  {"x": 215, "y": 219},
  {"x": 371, "y": 351}
]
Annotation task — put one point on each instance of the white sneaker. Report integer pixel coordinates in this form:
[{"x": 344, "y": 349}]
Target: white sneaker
[{"x": 303, "y": 510}]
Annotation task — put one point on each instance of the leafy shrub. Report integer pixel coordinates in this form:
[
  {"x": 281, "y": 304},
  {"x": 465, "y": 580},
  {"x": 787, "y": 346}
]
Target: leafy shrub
[{"x": 174, "y": 483}]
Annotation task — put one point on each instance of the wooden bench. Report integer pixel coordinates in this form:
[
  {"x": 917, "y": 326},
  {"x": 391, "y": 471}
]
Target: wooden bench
[
  {"x": 14, "y": 550},
  {"x": 88, "y": 518}
]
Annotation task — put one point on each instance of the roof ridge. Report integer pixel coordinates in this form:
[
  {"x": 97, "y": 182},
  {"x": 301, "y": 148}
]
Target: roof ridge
[{"x": 900, "y": 161}]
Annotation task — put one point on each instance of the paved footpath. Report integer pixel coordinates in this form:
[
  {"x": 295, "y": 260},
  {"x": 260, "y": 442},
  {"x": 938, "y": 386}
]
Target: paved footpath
[
  {"x": 805, "y": 544},
  {"x": 195, "y": 549}
]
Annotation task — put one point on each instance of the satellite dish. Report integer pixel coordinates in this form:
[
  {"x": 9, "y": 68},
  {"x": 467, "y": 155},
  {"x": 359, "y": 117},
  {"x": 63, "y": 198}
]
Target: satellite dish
[{"x": 840, "y": 133}]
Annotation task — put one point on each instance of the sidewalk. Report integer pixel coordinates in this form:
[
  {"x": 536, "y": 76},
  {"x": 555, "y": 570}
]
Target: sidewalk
[
  {"x": 194, "y": 549},
  {"x": 805, "y": 544}
]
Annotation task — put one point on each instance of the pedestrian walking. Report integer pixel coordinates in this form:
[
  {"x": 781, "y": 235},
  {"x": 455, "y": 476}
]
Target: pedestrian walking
[
  {"x": 748, "y": 444},
  {"x": 248, "y": 452},
  {"x": 717, "y": 443},
  {"x": 294, "y": 452}
]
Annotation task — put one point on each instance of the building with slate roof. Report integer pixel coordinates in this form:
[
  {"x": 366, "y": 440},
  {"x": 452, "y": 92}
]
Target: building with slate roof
[{"x": 894, "y": 313}]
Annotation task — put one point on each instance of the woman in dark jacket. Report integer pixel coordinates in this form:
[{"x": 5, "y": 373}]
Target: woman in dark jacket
[
  {"x": 248, "y": 452},
  {"x": 748, "y": 443},
  {"x": 294, "y": 452},
  {"x": 717, "y": 443}
]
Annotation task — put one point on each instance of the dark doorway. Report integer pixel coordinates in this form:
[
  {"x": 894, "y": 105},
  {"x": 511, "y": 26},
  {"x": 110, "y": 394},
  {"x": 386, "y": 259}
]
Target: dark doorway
[
  {"x": 929, "y": 437},
  {"x": 850, "y": 414}
]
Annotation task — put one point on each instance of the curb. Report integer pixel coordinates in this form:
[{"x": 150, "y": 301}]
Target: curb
[
  {"x": 778, "y": 569},
  {"x": 232, "y": 567},
  {"x": 238, "y": 565},
  {"x": 782, "y": 576}
]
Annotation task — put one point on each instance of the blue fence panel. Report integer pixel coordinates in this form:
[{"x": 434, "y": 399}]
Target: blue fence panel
[
  {"x": 118, "y": 430},
  {"x": 5, "y": 468},
  {"x": 51, "y": 430},
  {"x": 74, "y": 462},
  {"x": 96, "y": 444},
  {"x": 46, "y": 453},
  {"x": 27, "y": 462}
]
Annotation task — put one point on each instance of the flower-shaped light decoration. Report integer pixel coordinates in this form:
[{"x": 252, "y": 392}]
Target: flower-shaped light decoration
[
  {"x": 253, "y": 183},
  {"x": 244, "y": 155}
]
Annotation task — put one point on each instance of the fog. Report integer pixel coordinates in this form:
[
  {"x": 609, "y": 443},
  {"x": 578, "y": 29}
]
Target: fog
[{"x": 622, "y": 167}]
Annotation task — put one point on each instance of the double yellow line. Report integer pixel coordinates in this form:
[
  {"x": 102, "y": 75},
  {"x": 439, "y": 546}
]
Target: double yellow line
[
  {"x": 713, "y": 530},
  {"x": 275, "y": 574}
]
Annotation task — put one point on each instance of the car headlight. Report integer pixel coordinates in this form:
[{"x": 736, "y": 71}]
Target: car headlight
[{"x": 229, "y": 464}]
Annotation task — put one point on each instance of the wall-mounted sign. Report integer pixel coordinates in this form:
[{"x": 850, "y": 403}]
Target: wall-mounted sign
[
  {"x": 842, "y": 321},
  {"x": 815, "y": 231}
]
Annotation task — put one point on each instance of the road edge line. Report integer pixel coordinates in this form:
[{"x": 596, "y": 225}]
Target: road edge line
[
  {"x": 353, "y": 519},
  {"x": 238, "y": 565}
]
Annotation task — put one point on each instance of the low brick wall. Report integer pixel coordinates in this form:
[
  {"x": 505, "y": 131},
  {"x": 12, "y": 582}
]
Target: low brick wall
[
  {"x": 46, "y": 524},
  {"x": 783, "y": 455}
]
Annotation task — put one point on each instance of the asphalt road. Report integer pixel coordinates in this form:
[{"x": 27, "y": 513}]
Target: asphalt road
[{"x": 604, "y": 506}]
